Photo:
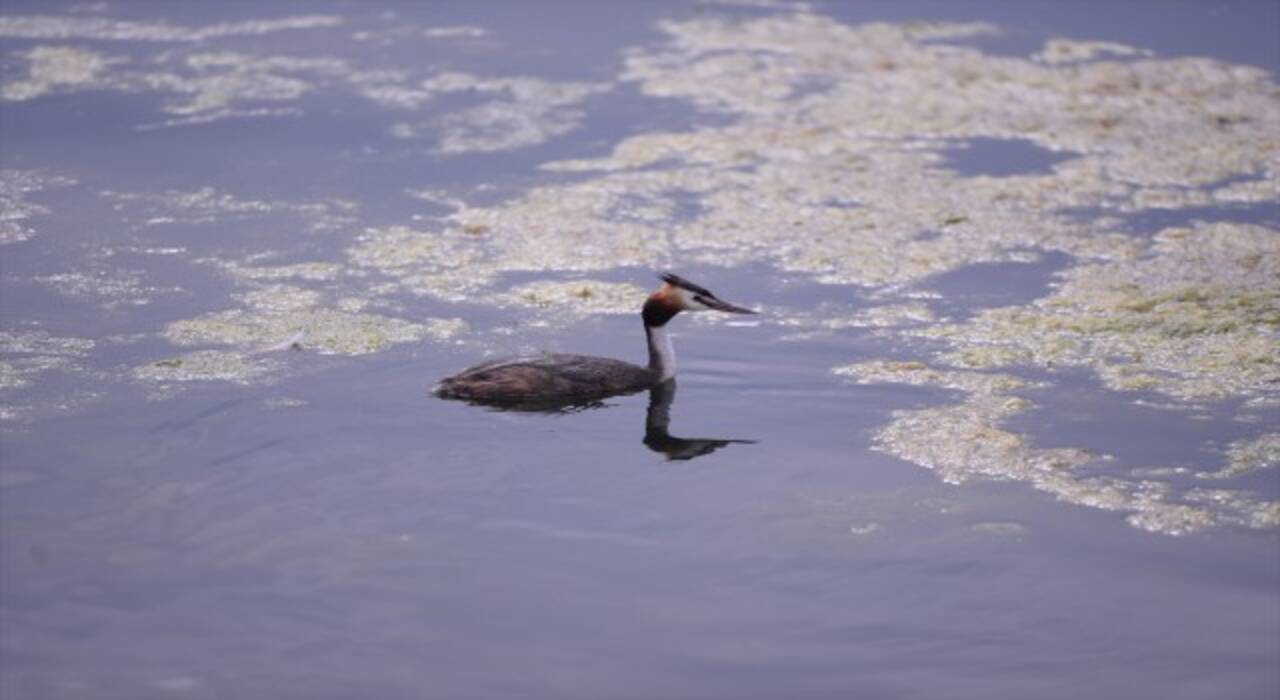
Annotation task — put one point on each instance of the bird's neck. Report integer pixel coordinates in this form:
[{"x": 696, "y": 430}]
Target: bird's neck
[{"x": 662, "y": 357}]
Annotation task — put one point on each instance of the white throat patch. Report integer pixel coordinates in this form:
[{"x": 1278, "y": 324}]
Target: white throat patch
[{"x": 660, "y": 343}]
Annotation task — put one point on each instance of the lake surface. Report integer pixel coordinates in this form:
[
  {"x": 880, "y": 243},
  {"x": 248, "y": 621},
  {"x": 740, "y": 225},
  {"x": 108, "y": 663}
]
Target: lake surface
[{"x": 1005, "y": 426}]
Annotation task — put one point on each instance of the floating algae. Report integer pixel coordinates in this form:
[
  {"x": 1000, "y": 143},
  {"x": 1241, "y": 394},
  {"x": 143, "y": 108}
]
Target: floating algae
[
  {"x": 103, "y": 29},
  {"x": 1246, "y": 456},
  {"x": 284, "y": 402},
  {"x": 527, "y": 111},
  {"x": 18, "y": 372},
  {"x": 15, "y": 208},
  {"x": 20, "y": 368},
  {"x": 1073, "y": 51},
  {"x": 249, "y": 332},
  {"x": 841, "y": 182},
  {"x": 964, "y": 441},
  {"x": 280, "y": 311},
  {"x": 400, "y": 250},
  {"x": 446, "y": 264},
  {"x": 203, "y": 366},
  {"x": 208, "y": 205},
  {"x": 883, "y": 318},
  {"x": 280, "y": 298},
  {"x": 920, "y": 374},
  {"x": 202, "y": 87},
  {"x": 461, "y": 31},
  {"x": 54, "y": 67},
  {"x": 212, "y": 86},
  {"x": 580, "y": 296},
  {"x": 108, "y": 287},
  {"x": 777, "y": 183},
  {"x": 206, "y": 86},
  {"x": 312, "y": 271},
  {"x": 1249, "y": 191},
  {"x": 1197, "y": 318},
  {"x": 27, "y": 357},
  {"x": 327, "y": 331},
  {"x": 37, "y": 342},
  {"x": 278, "y": 317}
]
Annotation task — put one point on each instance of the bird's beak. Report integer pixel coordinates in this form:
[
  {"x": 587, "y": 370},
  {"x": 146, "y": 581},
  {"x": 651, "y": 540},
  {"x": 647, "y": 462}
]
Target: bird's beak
[{"x": 714, "y": 303}]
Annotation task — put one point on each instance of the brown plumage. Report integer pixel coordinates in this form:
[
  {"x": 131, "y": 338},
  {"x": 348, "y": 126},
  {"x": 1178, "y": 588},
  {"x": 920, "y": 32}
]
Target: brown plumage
[{"x": 547, "y": 374}]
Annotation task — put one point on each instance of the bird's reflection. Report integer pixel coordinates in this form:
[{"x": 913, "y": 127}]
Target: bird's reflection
[
  {"x": 657, "y": 421},
  {"x": 658, "y": 418}
]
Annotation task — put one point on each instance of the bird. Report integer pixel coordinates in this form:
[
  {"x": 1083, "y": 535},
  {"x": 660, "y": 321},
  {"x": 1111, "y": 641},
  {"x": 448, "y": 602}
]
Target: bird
[{"x": 548, "y": 379}]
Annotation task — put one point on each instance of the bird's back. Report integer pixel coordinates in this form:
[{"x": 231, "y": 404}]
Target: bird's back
[{"x": 546, "y": 377}]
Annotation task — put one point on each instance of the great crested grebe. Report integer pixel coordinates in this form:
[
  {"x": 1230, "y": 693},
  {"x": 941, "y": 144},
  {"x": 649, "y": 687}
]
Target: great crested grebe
[{"x": 557, "y": 377}]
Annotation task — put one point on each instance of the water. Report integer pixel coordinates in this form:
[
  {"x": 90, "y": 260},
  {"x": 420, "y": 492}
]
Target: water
[{"x": 183, "y": 514}]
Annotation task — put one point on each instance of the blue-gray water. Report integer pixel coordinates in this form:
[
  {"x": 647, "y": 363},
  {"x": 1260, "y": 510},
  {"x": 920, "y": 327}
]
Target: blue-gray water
[{"x": 185, "y": 515}]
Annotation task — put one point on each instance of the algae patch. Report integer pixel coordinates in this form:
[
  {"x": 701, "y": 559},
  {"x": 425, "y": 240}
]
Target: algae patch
[
  {"x": 199, "y": 85},
  {"x": 103, "y": 29},
  {"x": 278, "y": 317},
  {"x": 1057, "y": 51},
  {"x": 28, "y": 359},
  {"x": 965, "y": 441},
  {"x": 524, "y": 112},
  {"x": 206, "y": 365},
  {"x": 109, "y": 288},
  {"x": 36, "y": 342},
  {"x": 1196, "y": 318},
  {"x": 250, "y": 336},
  {"x": 54, "y": 67},
  {"x": 209, "y": 205},
  {"x": 28, "y": 354},
  {"x": 15, "y": 206},
  {"x": 1246, "y": 456},
  {"x": 243, "y": 272},
  {"x": 579, "y": 296},
  {"x": 446, "y": 264},
  {"x": 326, "y": 331},
  {"x": 847, "y": 183}
]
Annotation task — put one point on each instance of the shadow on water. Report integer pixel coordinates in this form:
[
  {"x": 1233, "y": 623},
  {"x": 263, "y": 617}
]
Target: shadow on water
[
  {"x": 657, "y": 422},
  {"x": 657, "y": 437}
]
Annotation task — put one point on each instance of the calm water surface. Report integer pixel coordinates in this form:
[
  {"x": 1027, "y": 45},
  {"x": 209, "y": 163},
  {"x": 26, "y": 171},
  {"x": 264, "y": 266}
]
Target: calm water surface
[{"x": 323, "y": 528}]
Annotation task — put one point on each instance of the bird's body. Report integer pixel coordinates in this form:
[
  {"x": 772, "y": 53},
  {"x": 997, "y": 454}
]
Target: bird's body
[
  {"x": 552, "y": 375},
  {"x": 557, "y": 377}
]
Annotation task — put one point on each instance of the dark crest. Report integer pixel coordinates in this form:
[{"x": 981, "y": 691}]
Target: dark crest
[{"x": 678, "y": 281}]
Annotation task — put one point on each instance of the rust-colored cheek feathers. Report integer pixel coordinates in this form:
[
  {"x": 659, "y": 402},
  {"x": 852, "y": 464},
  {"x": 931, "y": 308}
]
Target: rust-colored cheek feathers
[{"x": 661, "y": 306}]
